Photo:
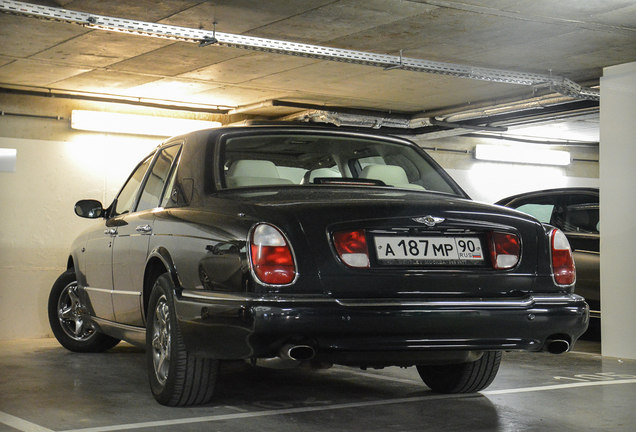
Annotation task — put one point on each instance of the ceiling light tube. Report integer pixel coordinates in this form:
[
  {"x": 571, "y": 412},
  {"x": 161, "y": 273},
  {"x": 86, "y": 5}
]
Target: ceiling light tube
[
  {"x": 522, "y": 155},
  {"x": 8, "y": 159},
  {"x": 136, "y": 124}
]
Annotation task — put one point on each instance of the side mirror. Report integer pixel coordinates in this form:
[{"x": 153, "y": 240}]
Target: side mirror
[{"x": 91, "y": 209}]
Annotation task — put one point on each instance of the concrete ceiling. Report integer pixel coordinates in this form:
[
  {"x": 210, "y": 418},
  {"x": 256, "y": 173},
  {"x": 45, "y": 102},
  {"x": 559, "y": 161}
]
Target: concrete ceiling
[{"x": 574, "y": 39}]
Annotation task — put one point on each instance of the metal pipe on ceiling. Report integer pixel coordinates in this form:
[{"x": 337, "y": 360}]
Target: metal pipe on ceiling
[
  {"x": 508, "y": 108},
  {"x": 38, "y": 116},
  {"x": 455, "y": 125},
  {"x": 117, "y": 99},
  {"x": 568, "y": 143},
  {"x": 558, "y": 84},
  {"x": 447, "y": 121},
  {"x": 349, "y": 119}
]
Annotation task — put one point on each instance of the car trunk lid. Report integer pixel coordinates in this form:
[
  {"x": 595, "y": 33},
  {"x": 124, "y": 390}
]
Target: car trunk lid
[{"x": 420, "y": 245}]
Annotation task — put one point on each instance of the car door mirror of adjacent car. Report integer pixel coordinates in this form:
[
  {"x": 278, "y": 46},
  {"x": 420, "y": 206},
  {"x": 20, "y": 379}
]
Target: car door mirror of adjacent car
[{"x": 91, "y": 209}]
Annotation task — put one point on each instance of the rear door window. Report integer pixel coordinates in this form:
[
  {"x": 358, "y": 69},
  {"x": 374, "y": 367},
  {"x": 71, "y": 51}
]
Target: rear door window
[
  {"x": 128, "y": 194},
  {"x": 157, "y": 178},
  {"x": 582, "y": 214},
  {"x": 543, "y": 212},
  {"x": 546, "y": 208}
]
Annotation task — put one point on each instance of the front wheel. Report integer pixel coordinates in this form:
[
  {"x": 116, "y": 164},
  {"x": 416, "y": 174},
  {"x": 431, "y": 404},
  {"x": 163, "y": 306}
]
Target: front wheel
[
  {"x": 176, "y": 377},
  {"x": 66, "y": 318},
  {"x": 467, "y": 377}
]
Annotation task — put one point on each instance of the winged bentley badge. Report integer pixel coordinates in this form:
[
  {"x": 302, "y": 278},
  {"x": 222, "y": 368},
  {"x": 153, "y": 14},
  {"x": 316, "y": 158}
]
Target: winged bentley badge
[{"x": 429, "y": 221}]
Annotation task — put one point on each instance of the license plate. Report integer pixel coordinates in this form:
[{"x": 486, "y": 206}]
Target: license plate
[{"x": 429, "y": 250}]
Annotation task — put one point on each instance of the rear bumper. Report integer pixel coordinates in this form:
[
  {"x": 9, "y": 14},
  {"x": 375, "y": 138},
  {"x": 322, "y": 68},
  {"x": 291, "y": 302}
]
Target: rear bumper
[{"x": 341, "y": 331}]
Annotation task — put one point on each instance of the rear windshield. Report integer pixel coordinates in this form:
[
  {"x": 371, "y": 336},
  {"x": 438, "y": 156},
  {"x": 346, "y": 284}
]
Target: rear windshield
[{"x": 301, "y": 159}]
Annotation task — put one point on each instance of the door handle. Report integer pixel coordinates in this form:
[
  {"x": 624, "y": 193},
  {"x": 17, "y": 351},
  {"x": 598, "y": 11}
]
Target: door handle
[
  {"x": 144, "y": 229},
  {"x": 111, "y": 231}
]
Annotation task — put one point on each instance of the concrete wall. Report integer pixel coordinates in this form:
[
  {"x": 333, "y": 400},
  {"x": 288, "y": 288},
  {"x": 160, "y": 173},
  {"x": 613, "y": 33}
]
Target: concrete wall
[
  {"x": 37, "y": 218},
  {"x": 57, "y": 166}
]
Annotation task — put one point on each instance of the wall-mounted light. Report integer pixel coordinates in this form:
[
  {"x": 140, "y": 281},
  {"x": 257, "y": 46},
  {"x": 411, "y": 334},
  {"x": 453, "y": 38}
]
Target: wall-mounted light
[
  {"x": 136, "y": 124},
  {"x": 522, "y": 155},
  {"x": 8, "y": 159}
]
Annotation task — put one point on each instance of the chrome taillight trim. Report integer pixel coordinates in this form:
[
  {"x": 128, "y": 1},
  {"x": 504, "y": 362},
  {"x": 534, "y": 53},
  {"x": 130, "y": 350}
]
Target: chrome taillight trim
[
  {"x": 251, "y": 261},
  {"x": 550, "y": 240}
]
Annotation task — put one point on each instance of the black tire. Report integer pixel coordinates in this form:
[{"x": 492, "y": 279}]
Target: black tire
[
  {"x": 176, "y": 377},
  {"x": 66, "y": 321},
  {"x": 463, "y": 377}
]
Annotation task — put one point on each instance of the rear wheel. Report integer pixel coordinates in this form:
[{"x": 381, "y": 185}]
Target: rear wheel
[
  {"x": 66, "y": 318},
  {"x": 176, "y": 377},
  {"x": 463, "y": 377}
]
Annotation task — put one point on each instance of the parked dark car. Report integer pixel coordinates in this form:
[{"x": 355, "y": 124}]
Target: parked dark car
[
  {"x": 575, "y": 211},
  {"x": 314, "y": 245}
]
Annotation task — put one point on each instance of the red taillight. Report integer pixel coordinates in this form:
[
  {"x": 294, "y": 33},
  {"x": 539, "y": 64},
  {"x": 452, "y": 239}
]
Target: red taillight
[
  {"x": 505, "y": 249},
  {"x": 562, "y": 260},
  {"x": 352, "y": 248},
  {"x": 271, "y": 257}
]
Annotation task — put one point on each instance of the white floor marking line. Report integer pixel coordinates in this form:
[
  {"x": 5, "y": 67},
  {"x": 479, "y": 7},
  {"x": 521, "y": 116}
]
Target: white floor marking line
[
  {"x": 386, "y": 378},
  {"x": 557, "y": 387},
  {"x": 21, "y": 425},
  {"x": 255, "y": 414}
]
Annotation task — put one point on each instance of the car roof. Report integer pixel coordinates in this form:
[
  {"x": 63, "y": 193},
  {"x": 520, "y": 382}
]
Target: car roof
[
  {"x": 288, "y": 126},
  {"x": 554, "y": 191}
]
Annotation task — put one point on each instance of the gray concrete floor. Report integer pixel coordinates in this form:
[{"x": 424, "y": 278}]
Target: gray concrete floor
[{"x": 44, "y": 388}]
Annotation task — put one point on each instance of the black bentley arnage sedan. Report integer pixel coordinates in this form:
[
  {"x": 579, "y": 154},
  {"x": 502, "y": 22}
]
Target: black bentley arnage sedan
[{"x": 311, "y": 245}]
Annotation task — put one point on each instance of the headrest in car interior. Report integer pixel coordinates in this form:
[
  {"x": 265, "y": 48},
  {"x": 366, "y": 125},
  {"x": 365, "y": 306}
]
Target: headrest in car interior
[
  {"x": 253, "y": 168},
  {"x": 389, "y": 174}
]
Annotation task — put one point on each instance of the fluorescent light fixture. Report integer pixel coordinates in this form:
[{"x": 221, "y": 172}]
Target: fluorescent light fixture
[
  {"x": 8, "y": 159},
  {"x": 136, "y": 124},
  {"x": 522, "y": 155}
]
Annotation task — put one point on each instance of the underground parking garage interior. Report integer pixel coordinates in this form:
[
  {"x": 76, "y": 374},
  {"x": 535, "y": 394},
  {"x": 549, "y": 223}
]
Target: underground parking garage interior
[{"x": 491, "y": 91}]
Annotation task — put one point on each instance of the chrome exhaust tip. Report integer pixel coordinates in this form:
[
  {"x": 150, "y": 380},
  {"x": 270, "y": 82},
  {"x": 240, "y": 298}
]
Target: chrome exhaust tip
[
  {"x": 297, "y": 352},
  {"x": 289, "y": 357},
  {"x": 556, "y": 346}
]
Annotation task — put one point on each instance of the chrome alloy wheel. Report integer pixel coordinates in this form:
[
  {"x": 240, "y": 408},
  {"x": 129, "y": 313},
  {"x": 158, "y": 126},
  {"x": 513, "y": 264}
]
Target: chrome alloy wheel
[
  {"x": 69, "y": 312},
  {"x": 161, "y": 338}
]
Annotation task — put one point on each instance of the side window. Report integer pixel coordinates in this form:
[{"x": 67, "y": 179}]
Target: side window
[
  {"x": 126, "y": 198},
  {"x": 543, "y": 212},
  {"x": 581, "y": 214},
  {"x": 157, "y": 178},
  {"x": 544, "y": 208},
  {"x": 169, "y": 187},
  {"x": 167, "y": 193}
]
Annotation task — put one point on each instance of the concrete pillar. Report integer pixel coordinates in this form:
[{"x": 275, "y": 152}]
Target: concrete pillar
[{"x": 618, "y": 211}]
